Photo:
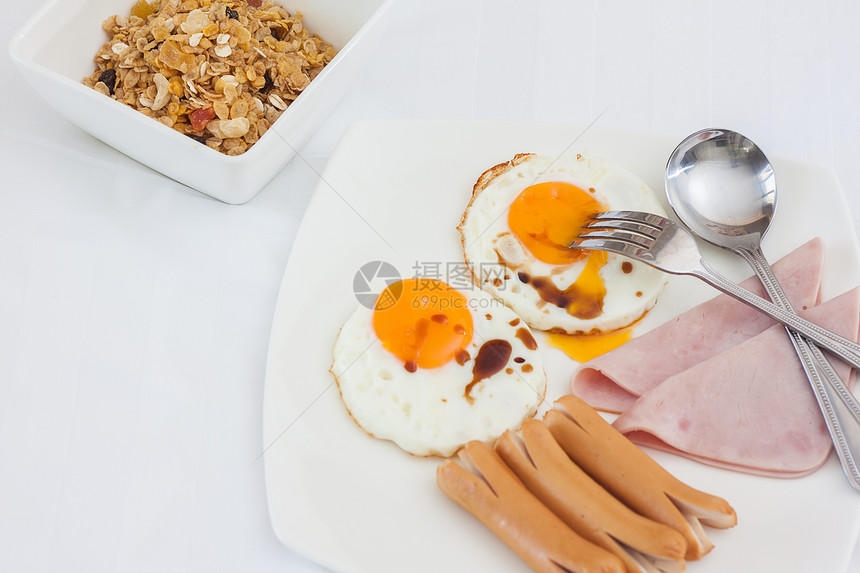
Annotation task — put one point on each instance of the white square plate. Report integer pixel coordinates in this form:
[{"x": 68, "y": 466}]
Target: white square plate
[{"x": 394, "y": 191}]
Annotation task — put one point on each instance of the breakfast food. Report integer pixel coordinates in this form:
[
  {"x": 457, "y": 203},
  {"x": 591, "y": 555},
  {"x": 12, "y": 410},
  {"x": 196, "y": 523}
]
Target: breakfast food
[
  {"x": 219, "y": 72},
  {"x": 488, "y": 489},
  {"x": 612, "y": 382},
  {"x": 431, "y": 368},
  {"x": 633, "y": 477},
  {"x": 644, "y": 546},
  {"x": 522, "y": 216},
  {"x": 730, "y": 412}
]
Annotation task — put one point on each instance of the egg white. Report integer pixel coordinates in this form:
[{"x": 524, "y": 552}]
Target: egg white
[
  {"x": 426, "y": 412},
  {"x": 487, "y": 238}
]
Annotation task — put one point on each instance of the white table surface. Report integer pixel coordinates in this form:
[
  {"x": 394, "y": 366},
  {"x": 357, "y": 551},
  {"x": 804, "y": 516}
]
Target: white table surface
[{"x": 135, "y": 312}]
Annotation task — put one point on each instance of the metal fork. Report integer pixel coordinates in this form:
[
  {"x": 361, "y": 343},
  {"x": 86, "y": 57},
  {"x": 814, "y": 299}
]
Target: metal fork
[{"x": 659, "y": 242}]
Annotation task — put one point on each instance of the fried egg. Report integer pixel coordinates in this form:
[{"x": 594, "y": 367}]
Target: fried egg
[
  {"x": 516, "y": 230},
  {"x": 431, "y": 367}
]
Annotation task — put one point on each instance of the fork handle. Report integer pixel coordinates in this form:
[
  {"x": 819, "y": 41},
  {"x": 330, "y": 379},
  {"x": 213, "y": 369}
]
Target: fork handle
[{"x": 845, "y": 349}]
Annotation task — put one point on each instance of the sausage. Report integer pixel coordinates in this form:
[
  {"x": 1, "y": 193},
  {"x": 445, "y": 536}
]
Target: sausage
[
  {"x": 643, "y": 545},
  {"x": 633, "y": 477},
  {"x": 488, "y": 489}
]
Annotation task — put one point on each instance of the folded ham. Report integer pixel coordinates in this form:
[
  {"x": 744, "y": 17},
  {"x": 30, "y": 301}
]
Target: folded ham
[
  {"x": 612, "y": 382},
  {"x": 750, "y": 408}
]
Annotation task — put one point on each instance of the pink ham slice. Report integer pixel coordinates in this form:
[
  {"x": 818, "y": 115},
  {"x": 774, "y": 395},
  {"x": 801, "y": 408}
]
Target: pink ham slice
[
  {"x": 613, "y": 381},
  {"x": 750, "y": 408}
]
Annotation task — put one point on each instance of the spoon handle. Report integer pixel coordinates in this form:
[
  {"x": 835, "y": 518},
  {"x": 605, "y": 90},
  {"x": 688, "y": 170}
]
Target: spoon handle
[
  {"x": 841, "y": 415},
  {"x": 847, "y": 350}
]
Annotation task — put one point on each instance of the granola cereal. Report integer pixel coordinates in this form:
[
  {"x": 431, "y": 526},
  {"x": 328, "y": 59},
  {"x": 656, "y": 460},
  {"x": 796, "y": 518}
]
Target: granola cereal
[{"x": 220, "y": 72}]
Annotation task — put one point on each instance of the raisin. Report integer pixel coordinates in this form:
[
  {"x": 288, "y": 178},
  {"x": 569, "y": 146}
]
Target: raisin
[
  {"x": 269, "y": 82},
  {"x": 196, "y": 137},
  {"x": 108, "y": 78},
  {"x": 232, "y": 14}
]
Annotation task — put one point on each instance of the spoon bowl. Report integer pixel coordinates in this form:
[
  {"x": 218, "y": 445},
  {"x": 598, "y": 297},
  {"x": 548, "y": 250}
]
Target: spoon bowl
[{"x": 722, "y": 187}]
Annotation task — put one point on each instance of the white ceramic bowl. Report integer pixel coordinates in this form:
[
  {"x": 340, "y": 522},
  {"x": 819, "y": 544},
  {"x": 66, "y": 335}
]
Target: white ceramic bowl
[{"x": 55, "y": 51}]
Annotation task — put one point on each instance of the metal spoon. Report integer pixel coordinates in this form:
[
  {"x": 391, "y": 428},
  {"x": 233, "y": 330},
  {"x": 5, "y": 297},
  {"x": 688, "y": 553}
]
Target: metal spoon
[{"x": 723, "y": 188}]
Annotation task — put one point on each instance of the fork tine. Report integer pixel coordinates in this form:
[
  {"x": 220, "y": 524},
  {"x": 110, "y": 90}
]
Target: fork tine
[
  {"x": 612, "y": 246},
  {"x": 625, "y": 225},
  {"x": 624, "y": 236},
  {"x": 639, "y": 216},
  {"x": 651, "y": 219}
]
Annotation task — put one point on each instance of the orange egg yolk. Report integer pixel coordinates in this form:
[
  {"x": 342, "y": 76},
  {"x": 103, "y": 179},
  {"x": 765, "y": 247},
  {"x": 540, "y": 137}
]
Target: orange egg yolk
[
  {"x": 424, "y": 322},
  {"x": 584, "y": 347},
  {"x": 546, "y": 217}
]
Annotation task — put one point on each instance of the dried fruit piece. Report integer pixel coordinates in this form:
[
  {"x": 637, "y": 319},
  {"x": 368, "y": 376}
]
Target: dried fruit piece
[
  {"x": 143, "y": 9},
  {"x": 108, "y": 78},
  {"x": 254, "y": 3},
  {"x": 196, "y": 21},
  {"x": 232, "y": 14},
  {"x": 172, "y": 56},
  {"x": 200, "y": 117}
]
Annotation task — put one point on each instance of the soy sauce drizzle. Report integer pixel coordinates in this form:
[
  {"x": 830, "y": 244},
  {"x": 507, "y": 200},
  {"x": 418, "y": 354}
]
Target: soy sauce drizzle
[
  {"x": 527, "y": 338},
  {"x": 461, "y": 356},
  {"x": 492, "y": 357}
]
